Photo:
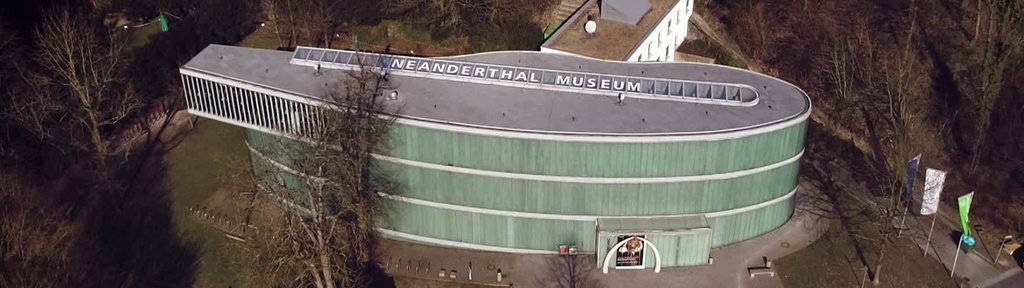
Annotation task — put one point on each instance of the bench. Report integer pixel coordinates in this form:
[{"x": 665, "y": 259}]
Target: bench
[{"x": 760, "y": 271}]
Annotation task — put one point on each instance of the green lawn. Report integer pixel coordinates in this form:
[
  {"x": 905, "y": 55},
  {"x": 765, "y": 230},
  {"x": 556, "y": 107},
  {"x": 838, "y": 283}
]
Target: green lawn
[
  {"x": 831, "y": 261},
  {"x": 707, "y": 48},
  {"x": 196, "y": 169},
  {"x": 139, "y": 36}
]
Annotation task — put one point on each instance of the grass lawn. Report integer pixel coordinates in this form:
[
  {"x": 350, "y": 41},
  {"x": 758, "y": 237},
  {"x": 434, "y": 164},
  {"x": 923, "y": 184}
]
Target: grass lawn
[
  {"x": 707, "y": 48},
  {"x": 410, "y": 282},
  {"x": 139, "y": 36},
  {"x": 831, "y": 262},
  {"x": 262, "y": 37},
  {"x": 196, "y": 169}
]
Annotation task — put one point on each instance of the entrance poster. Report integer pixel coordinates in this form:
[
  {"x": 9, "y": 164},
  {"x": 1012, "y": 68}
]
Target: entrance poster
[{"x": 631, "y": 254}]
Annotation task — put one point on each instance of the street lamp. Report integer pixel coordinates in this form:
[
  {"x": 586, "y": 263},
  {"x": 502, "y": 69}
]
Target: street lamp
[{"x": 1002, "y": 244}]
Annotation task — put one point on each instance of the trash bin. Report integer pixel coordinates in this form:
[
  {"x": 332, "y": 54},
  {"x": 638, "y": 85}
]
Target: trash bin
[{"x": 968, "y": 243}]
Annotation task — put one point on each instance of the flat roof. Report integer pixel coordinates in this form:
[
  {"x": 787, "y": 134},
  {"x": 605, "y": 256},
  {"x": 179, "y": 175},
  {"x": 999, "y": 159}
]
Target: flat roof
[
  {"x": 613, "y": 40},
  {"x": 531, "y": 107}
]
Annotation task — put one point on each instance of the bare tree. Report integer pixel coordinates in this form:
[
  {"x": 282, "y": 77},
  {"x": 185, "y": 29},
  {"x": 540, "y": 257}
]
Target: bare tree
[
  {"x": 457, "y": 15},
  {"x": 35, "y": 240},
  {"x": 445, "y": 14},
  {"x": 1004, "y": 42},
  {"x": 77, "y": 89},
  {"x": 882, "y": 81},
  {"x": 305, "y": 22},
  {"x": 333, "y": 191}
]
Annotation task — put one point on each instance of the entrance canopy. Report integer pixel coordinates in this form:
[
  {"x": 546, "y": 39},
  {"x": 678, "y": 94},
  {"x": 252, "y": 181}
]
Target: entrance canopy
[{"x": 624, "y": 243}]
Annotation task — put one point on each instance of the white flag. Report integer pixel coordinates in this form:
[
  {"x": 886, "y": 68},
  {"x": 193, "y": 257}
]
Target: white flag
[{"x": 933, "y": 180}]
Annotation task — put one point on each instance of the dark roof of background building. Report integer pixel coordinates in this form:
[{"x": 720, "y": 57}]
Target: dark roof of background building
[
  {"x": 625, "y": 11},
  {"x": 526, "y": 108}
]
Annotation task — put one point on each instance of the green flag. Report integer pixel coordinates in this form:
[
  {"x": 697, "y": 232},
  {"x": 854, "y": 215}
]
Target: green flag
[
  {"x": 965, "y": 208},
  {"x": 163, "y": 22}
]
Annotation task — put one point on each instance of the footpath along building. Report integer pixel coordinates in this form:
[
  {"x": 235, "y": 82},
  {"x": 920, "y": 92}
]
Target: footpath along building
[{"x": 644, "y": 164}]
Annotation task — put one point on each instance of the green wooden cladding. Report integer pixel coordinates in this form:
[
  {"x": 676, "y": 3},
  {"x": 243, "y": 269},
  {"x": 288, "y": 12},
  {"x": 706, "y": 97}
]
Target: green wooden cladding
[
  {"x": 546, "y": 234},
  {"x": 590, "y": 159},
  {"x": 592, "y": 198},
  {"x": 584, "y": 159},
  {"x": 485, "y": 229}
]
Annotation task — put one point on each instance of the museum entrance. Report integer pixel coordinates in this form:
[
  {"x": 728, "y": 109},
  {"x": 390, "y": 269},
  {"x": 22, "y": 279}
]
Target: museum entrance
[{"x": 639, "y": 243}]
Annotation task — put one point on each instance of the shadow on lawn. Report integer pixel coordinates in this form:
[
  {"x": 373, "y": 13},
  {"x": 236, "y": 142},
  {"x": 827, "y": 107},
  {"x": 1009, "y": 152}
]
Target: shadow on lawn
[
  {"x": 831, "y": 165},
  {"x": 129, "y": 237}
]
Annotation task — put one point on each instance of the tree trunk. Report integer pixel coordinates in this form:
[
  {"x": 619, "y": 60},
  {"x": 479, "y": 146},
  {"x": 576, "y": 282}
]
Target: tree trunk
[
  {"x": 977, "y": 21},
  {"x": 878, "y": 267}
]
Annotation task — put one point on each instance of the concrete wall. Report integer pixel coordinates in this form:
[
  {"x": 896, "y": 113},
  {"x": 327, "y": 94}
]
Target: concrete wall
[{"x": 661, "y": 43}]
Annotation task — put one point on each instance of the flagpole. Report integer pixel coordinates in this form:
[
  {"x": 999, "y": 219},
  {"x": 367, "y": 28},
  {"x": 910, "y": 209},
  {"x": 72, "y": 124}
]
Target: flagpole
[
  {"x": 952, "y": 269},
  {"x": 902, "y": 223},
  {"x": 929, "y": 242}
]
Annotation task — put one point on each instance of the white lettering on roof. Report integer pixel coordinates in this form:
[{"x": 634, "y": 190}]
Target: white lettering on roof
[
  {"x": 562, "y": 80},
  {"x": 521, "y": 76},
  {"x": 518, "y": 74}
]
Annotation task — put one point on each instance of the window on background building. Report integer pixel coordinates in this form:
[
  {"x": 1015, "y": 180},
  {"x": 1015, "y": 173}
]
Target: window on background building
[
  {"x": 201, "y": 95},
  {"x": 247, "y": 106}
]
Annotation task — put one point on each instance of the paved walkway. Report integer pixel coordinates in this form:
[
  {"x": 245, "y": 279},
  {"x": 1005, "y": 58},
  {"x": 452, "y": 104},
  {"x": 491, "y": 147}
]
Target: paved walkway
[
  {"x": 976, "y": 268},
  {"x": 729, "y": 268}
]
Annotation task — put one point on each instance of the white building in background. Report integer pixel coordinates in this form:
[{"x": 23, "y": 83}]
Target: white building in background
[{"x": 626, "y": 30}]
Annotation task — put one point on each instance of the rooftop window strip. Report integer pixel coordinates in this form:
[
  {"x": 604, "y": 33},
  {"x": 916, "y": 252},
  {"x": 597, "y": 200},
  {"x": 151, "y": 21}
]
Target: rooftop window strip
[
  {"x": 330, "y": 55},
  {"x": 316, "y": 54},
  {"x": 657, "y": 87},
  {"x": 301, "y": 53}
]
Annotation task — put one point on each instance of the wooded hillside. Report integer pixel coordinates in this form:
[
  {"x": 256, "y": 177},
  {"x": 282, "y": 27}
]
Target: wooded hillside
[{"x": 901, "y": 78}]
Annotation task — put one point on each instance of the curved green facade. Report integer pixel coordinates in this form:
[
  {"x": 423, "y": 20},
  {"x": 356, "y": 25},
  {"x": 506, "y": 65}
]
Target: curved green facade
[
  {"x": 596, "y": 159},
  {"x": 533, "y": 194}
]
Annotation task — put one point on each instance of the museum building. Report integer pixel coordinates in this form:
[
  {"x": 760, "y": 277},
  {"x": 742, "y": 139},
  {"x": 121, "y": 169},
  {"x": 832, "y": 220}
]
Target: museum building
[{"x": 524, "y": 151}]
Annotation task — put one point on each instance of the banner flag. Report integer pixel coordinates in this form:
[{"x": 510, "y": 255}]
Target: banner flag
[
  {"x": 163, "y": 22},
  {"x": 933, "y": 180},
  {"x": 965, "y": 208},
  {"x": 908, "y": 194}
]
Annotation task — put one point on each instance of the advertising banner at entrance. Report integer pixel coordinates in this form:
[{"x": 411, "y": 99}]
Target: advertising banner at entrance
[
  {"x": 965, "y": 208},
  {"x": 933, "y": 180},
  {"x": 631, "y": 254}
]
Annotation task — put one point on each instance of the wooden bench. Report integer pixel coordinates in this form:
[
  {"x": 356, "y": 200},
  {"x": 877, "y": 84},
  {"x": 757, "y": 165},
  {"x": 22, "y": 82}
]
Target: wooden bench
[{"x": 760, "y": 271}]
